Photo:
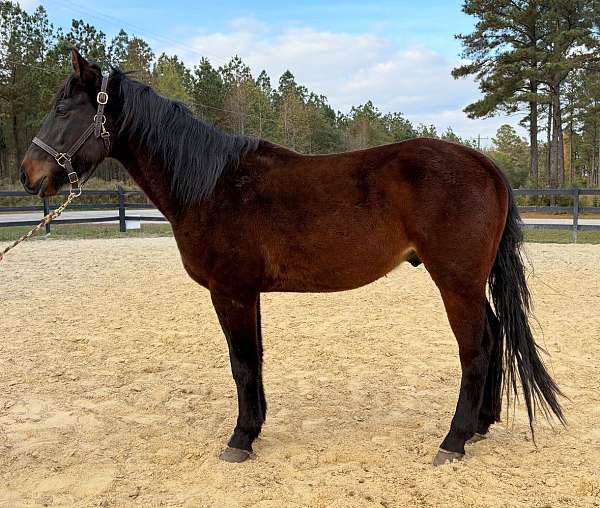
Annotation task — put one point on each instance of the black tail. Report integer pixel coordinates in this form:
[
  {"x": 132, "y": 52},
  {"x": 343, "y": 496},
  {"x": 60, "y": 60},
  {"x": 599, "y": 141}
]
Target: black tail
[{"x": 511, "y": 298}]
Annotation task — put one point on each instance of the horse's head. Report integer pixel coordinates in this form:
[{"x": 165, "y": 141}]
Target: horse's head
[{"x": 60, "y": 153}]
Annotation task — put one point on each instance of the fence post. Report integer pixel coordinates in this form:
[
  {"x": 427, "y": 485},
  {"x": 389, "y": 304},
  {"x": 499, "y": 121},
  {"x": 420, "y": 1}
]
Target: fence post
[
  {"x": 46, "y": 212},
  {"x": 122, "y": 222},
  {"x": 575, "y": 214}
]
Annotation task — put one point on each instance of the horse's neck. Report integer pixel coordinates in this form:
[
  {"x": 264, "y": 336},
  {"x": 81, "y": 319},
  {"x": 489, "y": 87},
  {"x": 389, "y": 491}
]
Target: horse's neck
[{"x": 151, "y": 177}]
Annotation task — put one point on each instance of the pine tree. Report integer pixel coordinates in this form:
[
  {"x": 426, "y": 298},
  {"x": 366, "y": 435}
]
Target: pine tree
[
  {"x": 569, "y": 44},
  {"x": 324, "y": 137},
  {"x": 504, "y": 56},
  {"x": 398, "y": 127},
  {"x": 240, "y": 89},
  {"x": 138, "y": 59},
  {"x": 293, "y": 119},
  {"x": 208, "y": 93},
  {"x": 117, "y": 51},
  {"x": 172, "y": 79},
  {"x": 89, "y": 41},
  {"x": 366, "y": 126},
  {"x": 25, "y": 47},
  {"x": 264, "y": 108}
]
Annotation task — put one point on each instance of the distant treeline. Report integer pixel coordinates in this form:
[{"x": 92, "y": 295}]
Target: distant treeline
[{"x": 34, "y": 58}]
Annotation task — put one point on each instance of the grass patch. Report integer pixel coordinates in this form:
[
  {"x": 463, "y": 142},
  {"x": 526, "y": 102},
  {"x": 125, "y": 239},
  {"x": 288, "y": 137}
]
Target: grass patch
[
  {"x": 560, "y": 236},
  {"x": 86, "y": 231}
]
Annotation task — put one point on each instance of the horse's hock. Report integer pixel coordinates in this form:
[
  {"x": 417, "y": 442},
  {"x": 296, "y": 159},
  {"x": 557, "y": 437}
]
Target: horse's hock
[{"x": 129, "y": 398}]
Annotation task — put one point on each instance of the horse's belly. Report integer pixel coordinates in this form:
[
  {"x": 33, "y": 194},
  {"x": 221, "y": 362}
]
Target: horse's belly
[{"x": 332, "y": 269}]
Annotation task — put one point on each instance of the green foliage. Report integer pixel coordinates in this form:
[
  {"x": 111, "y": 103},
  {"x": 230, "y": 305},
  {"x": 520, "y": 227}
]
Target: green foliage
[
  {"x": 366, "y": 126},
  {"x": 138, "y": 59},
  {"x": 426, "y": 131},
  {"x": 25, "y": 40},
  {"x": 511, "y": 153},
  {"x": 208, "y": 93},
  {"x": 398, "y": 127},
  {"x": 242, "y": 99},
  {"x": 172, "y": 79},
  {"x": 90, "y": 42}
]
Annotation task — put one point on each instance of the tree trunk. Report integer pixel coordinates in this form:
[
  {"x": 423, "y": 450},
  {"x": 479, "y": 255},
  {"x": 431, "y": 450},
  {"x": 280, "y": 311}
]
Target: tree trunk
[
  {"x": 557, "y": 158},
  {"x": 598, "y": 167},
  {"x": 571, "y": 152},
  {"x": 16, "y": 139},
  {"x": 549, "y": 148},
  {"x": 561, "y": 157},
  {"x": 591, "y": 176},
  {"x": 533, "y": 138},
  {"x": 533, "y": 145},
  {"x": 3, "y": 164},
  {"x": 3, "y": 154}
]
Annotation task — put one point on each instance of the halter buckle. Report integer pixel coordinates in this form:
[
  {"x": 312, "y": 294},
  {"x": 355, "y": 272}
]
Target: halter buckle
[
  {"x": 62, "y": 159},
  {"x": 102, "y": 98},
  {"x": 73, "y": 178}
]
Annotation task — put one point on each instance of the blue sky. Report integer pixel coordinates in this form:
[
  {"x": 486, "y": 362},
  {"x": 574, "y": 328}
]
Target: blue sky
[{"x": 397, "y": 53}]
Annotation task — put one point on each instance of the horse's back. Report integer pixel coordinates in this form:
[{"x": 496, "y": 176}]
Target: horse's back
[{"x": 339, "y": 221}]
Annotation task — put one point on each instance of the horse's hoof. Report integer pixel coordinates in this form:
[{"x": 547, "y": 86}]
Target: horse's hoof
[
  {"x": 476, "y": 438},
  {"x": 234, "y": 455},
  {"x": 445, "y": 457}
]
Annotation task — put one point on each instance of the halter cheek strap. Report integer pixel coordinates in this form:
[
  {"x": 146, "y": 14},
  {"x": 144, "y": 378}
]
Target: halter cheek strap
[
  {"x": 97, "y": 127},
  {"x": 100, "y": 119}
]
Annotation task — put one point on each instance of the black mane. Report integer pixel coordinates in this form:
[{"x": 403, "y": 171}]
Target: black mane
[{"x": 195, "y": 153}]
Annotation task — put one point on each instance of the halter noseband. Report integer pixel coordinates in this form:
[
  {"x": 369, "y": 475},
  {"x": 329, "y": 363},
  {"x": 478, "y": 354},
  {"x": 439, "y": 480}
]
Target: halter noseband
[{"x": 97, "y": 128}]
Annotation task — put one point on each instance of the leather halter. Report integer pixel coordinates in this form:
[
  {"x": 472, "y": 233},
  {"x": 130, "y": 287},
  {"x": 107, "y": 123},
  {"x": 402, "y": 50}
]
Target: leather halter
[{"x": 97, "y": 128}]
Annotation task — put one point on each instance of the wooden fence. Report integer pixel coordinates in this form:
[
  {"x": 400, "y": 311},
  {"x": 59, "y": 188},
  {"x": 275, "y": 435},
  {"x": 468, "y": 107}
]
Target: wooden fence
[
  {"x": 575, "y": 210},
  {"x": 123, "y": 209},
  {"x": 120, "y": 208}
]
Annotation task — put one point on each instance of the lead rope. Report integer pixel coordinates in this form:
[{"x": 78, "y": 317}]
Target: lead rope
[{"x": 74, "y": 193}]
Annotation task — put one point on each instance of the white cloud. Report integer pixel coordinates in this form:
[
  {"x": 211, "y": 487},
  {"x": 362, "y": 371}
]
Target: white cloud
[
  {"x": 351, "y": 69},
  {"x": 248, "y": 24},
  {"x": 29, "y": 5}
]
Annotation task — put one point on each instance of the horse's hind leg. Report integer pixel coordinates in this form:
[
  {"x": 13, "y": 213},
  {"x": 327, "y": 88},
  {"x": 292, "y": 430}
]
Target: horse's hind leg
[
  {"x": 261, "y": 390},
  {"x": 238, "y": 318},
  {"x": 467, "y": 317},
  {"x": 492, "y": 393}
]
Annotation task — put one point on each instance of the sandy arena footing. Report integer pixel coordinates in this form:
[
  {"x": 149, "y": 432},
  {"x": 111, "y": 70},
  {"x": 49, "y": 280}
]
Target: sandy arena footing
[{"x": 115, "y": 389}]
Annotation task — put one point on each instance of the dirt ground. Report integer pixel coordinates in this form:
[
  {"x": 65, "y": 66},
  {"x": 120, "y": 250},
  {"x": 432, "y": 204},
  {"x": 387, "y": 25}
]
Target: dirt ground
[{"x": 116, "y": 389}]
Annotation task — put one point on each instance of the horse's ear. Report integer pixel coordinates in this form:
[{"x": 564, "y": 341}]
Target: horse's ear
[
  {"x": 78, "y": 62},
  {"x": 82, "y": 68}
]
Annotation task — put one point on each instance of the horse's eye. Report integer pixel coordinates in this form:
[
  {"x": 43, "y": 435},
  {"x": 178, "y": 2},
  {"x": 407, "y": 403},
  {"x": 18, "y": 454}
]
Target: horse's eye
[{"x": 60, "y": 110}]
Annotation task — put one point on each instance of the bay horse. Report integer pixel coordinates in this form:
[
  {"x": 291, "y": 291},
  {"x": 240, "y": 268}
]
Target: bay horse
[{"x": 250, "y": 216}]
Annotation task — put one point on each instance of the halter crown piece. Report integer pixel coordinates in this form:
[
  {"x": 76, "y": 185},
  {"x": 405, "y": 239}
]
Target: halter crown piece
[{"x": 97, "y": 128}]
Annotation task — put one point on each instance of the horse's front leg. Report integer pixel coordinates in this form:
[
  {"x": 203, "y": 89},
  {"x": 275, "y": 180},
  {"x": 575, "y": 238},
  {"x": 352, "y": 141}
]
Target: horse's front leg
[{"x": 238, "y": 316}]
